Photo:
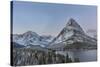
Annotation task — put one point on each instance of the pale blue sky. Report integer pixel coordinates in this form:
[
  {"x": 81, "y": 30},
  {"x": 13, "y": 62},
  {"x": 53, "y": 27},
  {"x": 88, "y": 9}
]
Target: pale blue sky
[{"x": 49, "y": 19}]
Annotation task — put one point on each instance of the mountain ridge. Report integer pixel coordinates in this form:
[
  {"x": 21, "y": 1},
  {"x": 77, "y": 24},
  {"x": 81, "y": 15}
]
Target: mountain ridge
[
  {"x": 31, "y": 38},
  {"x": 71, "y": 33}
]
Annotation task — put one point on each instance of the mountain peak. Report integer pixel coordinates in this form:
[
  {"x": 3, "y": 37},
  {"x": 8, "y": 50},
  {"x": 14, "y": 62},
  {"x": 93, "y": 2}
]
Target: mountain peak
[
  {"x": 30, "y": 33},
  {"x": 72, "y": 22},
  {"x": 73, "y": 25}
]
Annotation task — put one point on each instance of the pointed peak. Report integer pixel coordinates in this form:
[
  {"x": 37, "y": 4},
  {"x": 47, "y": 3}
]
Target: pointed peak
[
  {"x": 72, "y": 22},
  {"x": 73, "y": 25},
  {"x": 30, "y": 33}
]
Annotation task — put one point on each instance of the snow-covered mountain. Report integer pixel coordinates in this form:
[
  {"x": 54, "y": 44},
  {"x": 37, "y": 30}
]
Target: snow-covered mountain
[
  {"x": 72, "y": 35},
  {"x": 30, "y": 38}
]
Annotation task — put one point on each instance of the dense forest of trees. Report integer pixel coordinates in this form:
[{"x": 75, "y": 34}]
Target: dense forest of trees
[{"x": 27, "y": 56}]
